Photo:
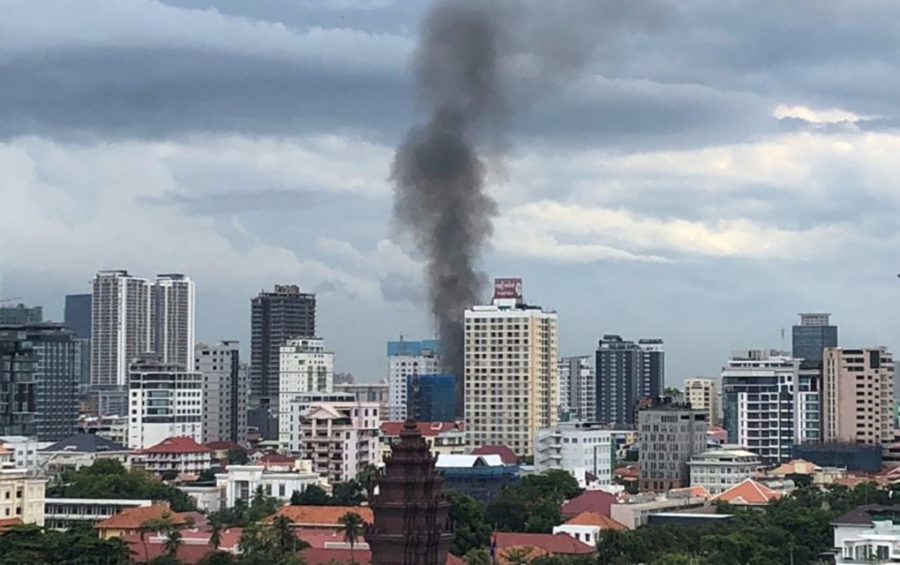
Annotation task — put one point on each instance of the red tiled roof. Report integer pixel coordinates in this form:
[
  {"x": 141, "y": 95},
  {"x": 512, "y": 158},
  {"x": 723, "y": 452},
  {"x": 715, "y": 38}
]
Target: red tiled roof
[
  {"x": 8, "y": 523},
  {"x": 596, "y": 501},
  {"x": 594, "y": 519},
  {"x": 748, "y": 492},
  {"x": 134, "y": 518},
  {"x": 176, "y": 445},
  {"x": 323, "y": 516},
  {"x": 696, "y": 492},
  {"x": 427, "y": 429},
  {"x": 506, "y": 454},
  {"x": 554, "y": 544},
  {"x": 276, "y": 459}
]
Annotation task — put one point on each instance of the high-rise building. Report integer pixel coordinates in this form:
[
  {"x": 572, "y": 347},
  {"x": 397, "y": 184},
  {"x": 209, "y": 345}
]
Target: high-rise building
[
  {"x": 276, "y": 316},
  {"x": 225, "y": 391},
  {"x": 577, "y": 386},
  {"x": 172, "y": 305},
  {"x": 18, "y": 405},
  {"x": 858, "y": 396},
  {"x": 669, "y": 436},
  {"x": 165, "y": 401},
  {"x": 77, "y": 314},
  {"x": 368, "y": 392},
  {"x": 769, "y": 403},
  {"x": 626, "y": 373},
  {"x": 511, "y": 373},
  {"x": 21, "y": 314},
  {"x": 406, "y": 358},
  {"x": 812, "y": 336},
  {"x": 340, "y": 438},
  {"x": 305, "y": 366},
  {"x": 703, "y": 394},
  {"x": 120, "y": 326},
  {"x": 432, "y": 398}
]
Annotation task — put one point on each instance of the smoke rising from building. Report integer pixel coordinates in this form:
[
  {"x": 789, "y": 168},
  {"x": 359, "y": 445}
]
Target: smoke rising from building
[{"x": 476, "y": 58}]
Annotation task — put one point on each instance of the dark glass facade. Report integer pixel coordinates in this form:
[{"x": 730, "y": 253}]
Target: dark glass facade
[
  {"x": 431, "y": 398},
  {"x": 627, "y": 372}
]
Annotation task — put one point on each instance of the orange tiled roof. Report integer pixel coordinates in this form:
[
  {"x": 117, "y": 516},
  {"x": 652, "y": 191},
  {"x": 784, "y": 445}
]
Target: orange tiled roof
[
  {"x": 694, "y": 492},
  {"x": 427, "y": 429},
  {"x": 795, "y": 467},
  {"x": 8, "y": 523},
  {"x": 748, "y": 492},
  {"x": 134, "y": 518},
  {"x": 323, "y": 516},
  {"x": 594, "y": 519}
]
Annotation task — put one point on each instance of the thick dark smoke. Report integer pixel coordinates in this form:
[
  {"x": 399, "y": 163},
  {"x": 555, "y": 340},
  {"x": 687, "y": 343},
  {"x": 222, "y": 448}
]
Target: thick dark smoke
[
  {"x": 439, "y": 176},
  {"x": 471, "y": 55}
]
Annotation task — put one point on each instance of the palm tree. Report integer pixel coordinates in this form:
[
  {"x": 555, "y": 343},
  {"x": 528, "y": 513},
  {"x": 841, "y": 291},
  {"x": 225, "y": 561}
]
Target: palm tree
[
  {"x": 367, "y": 478},
  {"x": 215, "y": 534},
  {"x": 352, "y": 525},
  {"x": 173, "y": 542},
  {"x": 287, "y": 540}
]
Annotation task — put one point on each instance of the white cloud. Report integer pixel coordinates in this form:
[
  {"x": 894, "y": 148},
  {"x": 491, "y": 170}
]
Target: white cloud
[{"x": 816, "y": 116}]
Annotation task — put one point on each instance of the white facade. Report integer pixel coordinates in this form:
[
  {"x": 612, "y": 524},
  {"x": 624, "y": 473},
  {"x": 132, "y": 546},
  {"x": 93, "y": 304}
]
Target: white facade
[
  {"x": 120, "y": 325},
  {"x": 21, "y": 496},
  {"x": 717, "y": 470},
  {"x": 511, "y": 374},
  {"x": 578, "y": 388},
  {"x": 703, "y": 394},
  {"x": 172, "y": 305},
  {"x": 405, "y": 359},
  {"x": 878, "y": 543},
  {"x": 588, "y": 534},
  {"x": 578, "y": 448},
  {"x": 207, "y": 498},
  {"x": 63, "y": 513},
  {"x": 340, "y": 438},
  {"x": 163, "y": 401},
  {"x": 291, "y": 423},
  {"x": 225, "y": 391},
  {"x": 241, "y": 482},
  {"x": 24, "y": 450},
  {"x": 304, "y": 366},
  {"x": 175, "y": 455}
]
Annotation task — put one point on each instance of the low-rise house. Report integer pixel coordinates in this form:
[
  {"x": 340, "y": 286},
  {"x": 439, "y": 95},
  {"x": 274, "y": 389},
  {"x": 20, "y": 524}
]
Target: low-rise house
[
  {"x": 507, "y": 455},
  {"x": 240, "y": 482},
  {"x": 867, "y": 534},
  {"x": 800, "y": 467},
  {"x": 207, "y": 498},
  {"x": 587, "y": 526},
  {"x": 480, "y": 476},
  {"x": 532, "y": 546},
  {"x": 748, "y": 493},
  {"x": 24, "y": 450},
  {"x": 719, "y": 469},
  {"x": 174, "y": 456},
  {"x": 80, "y": 450},
  {"x": 21, "y": 496},
  {"x": 133, "y": 520},
  {"x": 322, "y": 517},
  {"x": 636, "y": 512},
  {"x": 64, "y": 513}
]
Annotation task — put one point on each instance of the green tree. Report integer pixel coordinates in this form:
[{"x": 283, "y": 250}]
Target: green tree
[
  {"x": 237, "y": 457},
  {"x": 218, "y": 558},
  {"x": 348, "y": 493},
  {"x": 555, "y": 482},
  {"x": 478, "y": 556},
  {"x": 467, "y": 518},
  {"x": 215, "y": 532},
  {"x": 173, "y": 541},
  {"x": 314, "y": 495},
  {"x": 352, "y": 526},
  {"x": 368, "y": 480},
  {"x": 517, "y": 555}
]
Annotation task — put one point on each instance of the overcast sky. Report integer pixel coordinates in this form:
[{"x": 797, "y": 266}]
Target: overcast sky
[{"x": 702, "y": 177}]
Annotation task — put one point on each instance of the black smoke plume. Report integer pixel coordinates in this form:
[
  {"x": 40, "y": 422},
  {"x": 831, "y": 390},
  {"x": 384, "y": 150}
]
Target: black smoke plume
[{"x": 440, "y": 196}]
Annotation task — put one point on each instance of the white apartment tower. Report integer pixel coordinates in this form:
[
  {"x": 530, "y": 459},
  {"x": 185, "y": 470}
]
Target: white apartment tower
[
  {"x": 511, "y": 371},
  {"x": 172, "y": 305},
  {"x": 703, "y": 394},
  {"x": 163, "y": 401},
  {"x": 579, "y": 448},
  {"x": 405, "y": 359},
  {"x": 132, "y": 316},
  {"x": 120, "y": 325},
  {"x": 304, "y": 366},
  {"x": 226, "y": 391},
  {"x": 577, "y": 388},
  {"x": 340, "y": 438}
]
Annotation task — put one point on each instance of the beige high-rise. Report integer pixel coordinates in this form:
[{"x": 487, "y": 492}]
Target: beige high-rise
[
  {"x": 703, "y": 394},
  {"x": 858, "y": 395},
  {"x": 511, "y": 372}
]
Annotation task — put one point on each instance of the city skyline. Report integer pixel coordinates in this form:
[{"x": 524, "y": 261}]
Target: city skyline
[{"x": 660, "y": 174}]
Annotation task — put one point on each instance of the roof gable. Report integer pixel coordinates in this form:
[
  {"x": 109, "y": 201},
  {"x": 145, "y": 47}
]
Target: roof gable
[
  {"x": 86, "y": 443},
  {"x": 748, "y": 492}
]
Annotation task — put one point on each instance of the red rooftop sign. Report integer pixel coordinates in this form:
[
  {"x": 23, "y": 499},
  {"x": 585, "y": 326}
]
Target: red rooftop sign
[{"x": 508, "y": 288}]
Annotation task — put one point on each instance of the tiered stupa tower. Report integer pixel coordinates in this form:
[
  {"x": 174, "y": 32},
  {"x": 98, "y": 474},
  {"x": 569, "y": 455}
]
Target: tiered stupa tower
[{"x": 412, "y": 522}]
